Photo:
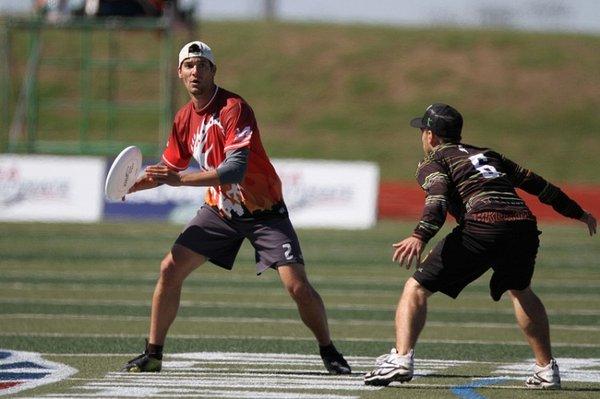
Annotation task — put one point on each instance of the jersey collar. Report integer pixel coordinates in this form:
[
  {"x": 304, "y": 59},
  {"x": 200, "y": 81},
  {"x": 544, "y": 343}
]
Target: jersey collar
[{"x": 203, "y": 109}]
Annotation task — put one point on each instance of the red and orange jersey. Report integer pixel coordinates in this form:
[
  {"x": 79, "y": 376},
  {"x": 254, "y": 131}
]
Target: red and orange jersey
[{"x": 226, "y": 123}]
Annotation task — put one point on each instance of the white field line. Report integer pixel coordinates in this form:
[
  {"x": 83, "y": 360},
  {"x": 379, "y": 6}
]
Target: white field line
[
  {"x": 266, "y": 291},
  {"x": 211, "y": 383},
  {"x": 279, "y": 338},
  {"x": 186, "y": 374},
  {"x": 141, "y": 392},
  {"x": 252, "y": 376},
  {"x": 278, "y": 306},
  {"x": 272, "y": 385},
  {"x": 352, "y": 359},
  {"x": 314, "y": 277},
  {"x": 267, "y": 320},
  {"x": 237, "y": 382}
]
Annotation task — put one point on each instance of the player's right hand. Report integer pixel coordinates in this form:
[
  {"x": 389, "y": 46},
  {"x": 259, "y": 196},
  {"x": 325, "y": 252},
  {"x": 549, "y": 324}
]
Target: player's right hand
[
  {"x": 144, "y": 182},
  {"x": 408, "y": 249},
  {"x": 590, "y": 220}
]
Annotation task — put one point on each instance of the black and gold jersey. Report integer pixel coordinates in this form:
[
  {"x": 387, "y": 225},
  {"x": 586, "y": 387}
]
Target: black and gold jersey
[{"x": 473, "y": 183}]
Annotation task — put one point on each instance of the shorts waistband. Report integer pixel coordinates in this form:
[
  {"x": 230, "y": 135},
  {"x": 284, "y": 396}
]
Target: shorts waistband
[{"x": 494, "y": 217}]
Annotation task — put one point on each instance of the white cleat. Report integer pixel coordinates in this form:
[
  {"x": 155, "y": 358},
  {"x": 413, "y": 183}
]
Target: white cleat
[
  {"x": 547, "y": 377},
  {"x": 390, "y": 368}
]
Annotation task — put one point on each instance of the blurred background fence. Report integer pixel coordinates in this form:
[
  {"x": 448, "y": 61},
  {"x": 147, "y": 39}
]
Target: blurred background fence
[{"x": 86, "y": 86}]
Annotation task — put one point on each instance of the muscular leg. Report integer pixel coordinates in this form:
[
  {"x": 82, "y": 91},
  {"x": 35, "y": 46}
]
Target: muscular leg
[
  {"x": 174, "y": 268},
  {"x": 411, "y": 314},
  {"x": 531, "y": 317},
  {"x": 309, "y": 302}
]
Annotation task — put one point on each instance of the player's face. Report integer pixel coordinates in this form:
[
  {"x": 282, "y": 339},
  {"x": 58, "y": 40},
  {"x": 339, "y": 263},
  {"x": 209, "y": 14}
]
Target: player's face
[{"x": 198, "y": 75}]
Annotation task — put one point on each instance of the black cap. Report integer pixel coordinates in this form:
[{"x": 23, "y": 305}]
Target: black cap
[{"x": 441, "y": 119}]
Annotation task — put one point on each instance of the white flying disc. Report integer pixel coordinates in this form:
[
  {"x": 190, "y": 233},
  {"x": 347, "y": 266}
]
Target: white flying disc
[{"x": 123, "y": 173}]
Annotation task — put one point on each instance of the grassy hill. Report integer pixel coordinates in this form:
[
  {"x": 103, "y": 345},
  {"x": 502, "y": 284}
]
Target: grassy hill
[{"x": 347, "y": 92}]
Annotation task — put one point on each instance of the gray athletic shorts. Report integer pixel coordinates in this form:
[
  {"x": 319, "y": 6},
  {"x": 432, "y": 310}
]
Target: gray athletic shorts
[{"x": 219, "y": 239}]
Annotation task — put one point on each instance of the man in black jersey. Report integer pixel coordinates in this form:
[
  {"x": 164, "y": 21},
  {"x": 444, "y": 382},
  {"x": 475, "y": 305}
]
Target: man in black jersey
[{"x": 495, "y": 230}]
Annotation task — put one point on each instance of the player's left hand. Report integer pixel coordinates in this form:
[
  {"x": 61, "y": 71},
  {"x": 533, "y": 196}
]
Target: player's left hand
[
  {"x": 408, "y": 249},
  {"x": 163, "y": 175}
]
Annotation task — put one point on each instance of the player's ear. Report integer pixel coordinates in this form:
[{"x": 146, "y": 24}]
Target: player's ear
[{"x": 179, "y": 72}]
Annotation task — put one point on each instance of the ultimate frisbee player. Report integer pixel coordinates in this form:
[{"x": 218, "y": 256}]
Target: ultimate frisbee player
[
  {"x": 495, "y": 230},
  {"x": 243, "y": 201}
]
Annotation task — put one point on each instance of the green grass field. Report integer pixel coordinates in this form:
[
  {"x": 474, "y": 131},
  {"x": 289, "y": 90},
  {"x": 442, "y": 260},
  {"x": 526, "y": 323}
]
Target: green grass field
[{"x": 80, "y": 293}]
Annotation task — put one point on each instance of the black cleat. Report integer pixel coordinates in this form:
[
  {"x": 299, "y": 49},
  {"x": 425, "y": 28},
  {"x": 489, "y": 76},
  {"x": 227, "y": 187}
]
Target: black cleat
[
  {"x": 143, "y": 363},
  {"x": 334, "y": 361}
]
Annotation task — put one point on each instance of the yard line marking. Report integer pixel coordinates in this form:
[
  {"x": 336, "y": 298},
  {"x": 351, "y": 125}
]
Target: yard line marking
[
  {"x": 353, "y": 359},
  {"x": 262, "y": 320},
  {"x": 315, "y": 277},
  {"x": 235, "y": 382},
  {"x": 201, "y": 393},
  {"x": 266, "y": 291},
  {"x": 252, "y": 376},
  {"x": 290, "y": 306},
  {"x": 278, "y": 338}
]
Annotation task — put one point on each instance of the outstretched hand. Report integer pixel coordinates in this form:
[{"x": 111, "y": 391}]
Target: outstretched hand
[
  {"x": 142, "y": 183},
  {"x": 163, "y": 175},
  {"x": 408, "y": 249},
  {"x": 590, "y": 220}
]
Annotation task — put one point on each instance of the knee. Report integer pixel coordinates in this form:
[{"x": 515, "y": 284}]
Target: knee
[
  {"x": 300, "y": 291},
  {"x": 414, "y": 289},
  {"x": 169, "y": 272}
]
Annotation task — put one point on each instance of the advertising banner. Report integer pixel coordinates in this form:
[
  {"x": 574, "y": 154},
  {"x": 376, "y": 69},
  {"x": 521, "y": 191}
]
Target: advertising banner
[
  {"x": 330, "y": 194},
  {"x": 50, "y": 188}
]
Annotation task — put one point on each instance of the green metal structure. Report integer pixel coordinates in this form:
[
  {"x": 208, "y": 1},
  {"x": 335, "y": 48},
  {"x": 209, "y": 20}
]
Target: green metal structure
[{"x": 86, "y": 86}]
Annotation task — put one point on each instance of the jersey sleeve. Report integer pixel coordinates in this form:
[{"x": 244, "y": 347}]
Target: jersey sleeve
[
  {"x": 547, "y": 192},
  {"x": 239, "y": 125},
  {"x": 432, "y": 177},
  {"x": 175, "y": 155}
]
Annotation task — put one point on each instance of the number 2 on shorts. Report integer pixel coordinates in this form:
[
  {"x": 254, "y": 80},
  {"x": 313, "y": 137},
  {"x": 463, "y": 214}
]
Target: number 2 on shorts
[{"x": 288, "y": 251}]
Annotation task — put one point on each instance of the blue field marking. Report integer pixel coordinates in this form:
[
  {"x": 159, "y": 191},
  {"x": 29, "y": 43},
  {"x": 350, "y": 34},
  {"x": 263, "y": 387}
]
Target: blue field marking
[
  {"x": 21, "y": 365},
  {"x": 21, "y": 371},
  {"x": 467, "y": 391},
  {"x": 22, "y": 376}
]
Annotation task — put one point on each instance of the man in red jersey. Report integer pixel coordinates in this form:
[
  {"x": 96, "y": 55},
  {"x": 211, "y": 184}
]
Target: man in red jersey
[{"x": 243, "y": 200}]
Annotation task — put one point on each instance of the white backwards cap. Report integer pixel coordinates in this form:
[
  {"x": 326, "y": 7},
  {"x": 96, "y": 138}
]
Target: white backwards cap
[{"x": 196, "y": 49}]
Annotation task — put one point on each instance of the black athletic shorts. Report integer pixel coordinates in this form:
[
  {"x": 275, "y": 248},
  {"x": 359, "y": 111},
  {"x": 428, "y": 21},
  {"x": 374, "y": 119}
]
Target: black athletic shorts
[
  {"x": 509, "y": 248},
  {"x": 218, "y": 239}
]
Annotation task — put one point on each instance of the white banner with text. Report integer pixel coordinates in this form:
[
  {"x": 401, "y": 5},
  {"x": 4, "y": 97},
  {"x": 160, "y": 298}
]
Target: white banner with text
[
  {"x": 335, "y": 194},
  {"x": 51, "y": 188}
]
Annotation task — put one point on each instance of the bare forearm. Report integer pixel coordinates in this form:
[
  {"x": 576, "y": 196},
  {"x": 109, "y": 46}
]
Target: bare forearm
[
  {"x": 164, "y": 175},
  {"x": 208, "y": 178}
]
